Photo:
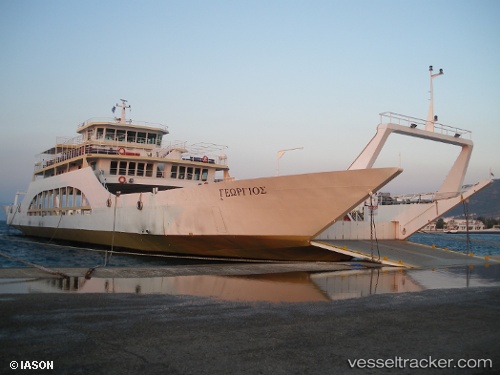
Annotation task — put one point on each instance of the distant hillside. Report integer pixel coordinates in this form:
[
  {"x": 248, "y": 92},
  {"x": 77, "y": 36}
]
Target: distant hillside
[{"x": 485, "y": 203}]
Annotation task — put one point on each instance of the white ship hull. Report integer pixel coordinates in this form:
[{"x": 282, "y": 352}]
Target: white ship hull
[{"x": 264, "y": 218}]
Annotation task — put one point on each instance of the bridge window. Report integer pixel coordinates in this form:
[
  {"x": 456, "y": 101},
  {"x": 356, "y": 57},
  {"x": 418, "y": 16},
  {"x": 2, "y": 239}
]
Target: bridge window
[
  {"x": 151, "y": 138},
  {"x": 110, "y": 134},
  {"x": 141, "y": 137},
  {"x": 131, "y": 136},
  {"x": 100, "y": 133},
  {"x": 120, "y": 135}
]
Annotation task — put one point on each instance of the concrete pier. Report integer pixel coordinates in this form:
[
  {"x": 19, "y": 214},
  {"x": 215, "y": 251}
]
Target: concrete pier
[
  {"x": 393, "y": 324},
  {"x": 161, "y": 334}
]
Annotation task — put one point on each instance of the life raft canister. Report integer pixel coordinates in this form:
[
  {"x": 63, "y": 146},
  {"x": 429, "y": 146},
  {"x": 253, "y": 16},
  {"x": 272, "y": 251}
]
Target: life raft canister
[
  {"x": 122, "y": 179},
  {"x": 121, "y": 151},
  {"x": 204, "y": 159}
]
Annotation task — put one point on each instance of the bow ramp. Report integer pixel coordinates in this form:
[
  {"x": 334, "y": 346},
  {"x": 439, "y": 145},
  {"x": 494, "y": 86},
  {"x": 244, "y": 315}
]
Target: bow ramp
[
  {"x": 401, "y": 253},
  {"x": 396, "y": 217}
]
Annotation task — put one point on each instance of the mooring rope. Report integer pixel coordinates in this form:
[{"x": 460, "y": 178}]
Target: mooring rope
[
  {"x": 373, "y": 230},
  {"x": 55, "y": 230},
  {"x": 466, "y": 214},
  {"x": 13, "y": 216},
  {"x": 41, "y": 268}
]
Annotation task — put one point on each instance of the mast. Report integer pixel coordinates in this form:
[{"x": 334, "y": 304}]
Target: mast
[
  {"x": 431, "y": 119},
  {"x": 123, "y": 106}
]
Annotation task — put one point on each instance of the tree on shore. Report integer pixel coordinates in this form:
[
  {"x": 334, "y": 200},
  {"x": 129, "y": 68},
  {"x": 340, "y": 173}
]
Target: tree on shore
[
  {"x": 440, "y": 223},
  {"x": 488, "y": 222}
]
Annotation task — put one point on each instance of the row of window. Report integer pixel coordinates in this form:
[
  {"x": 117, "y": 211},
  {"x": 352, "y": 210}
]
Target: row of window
[
  {"x": 61, "y": 201},
  {"x": 132, "y": 168},
  {"x": 189, "y": 173},
  {"x": 130, "y": 136}
]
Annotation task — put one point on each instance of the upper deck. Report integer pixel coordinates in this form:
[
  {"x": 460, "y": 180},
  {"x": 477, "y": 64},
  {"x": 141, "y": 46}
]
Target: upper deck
[
  {"x": 119, "y": 136},
  {"x": 131, "y": 154}
]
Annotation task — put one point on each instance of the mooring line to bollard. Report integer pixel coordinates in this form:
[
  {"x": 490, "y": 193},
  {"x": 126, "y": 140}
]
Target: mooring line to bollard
[{"x": 41, "y": 268}]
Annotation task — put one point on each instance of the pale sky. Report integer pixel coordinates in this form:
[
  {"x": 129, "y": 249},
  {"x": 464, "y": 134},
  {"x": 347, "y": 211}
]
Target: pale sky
[{"x": 257, "y": 76}]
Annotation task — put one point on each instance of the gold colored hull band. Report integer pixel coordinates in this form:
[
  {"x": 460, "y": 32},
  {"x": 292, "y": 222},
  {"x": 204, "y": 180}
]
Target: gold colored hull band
[{"x": 285, "y": 248}]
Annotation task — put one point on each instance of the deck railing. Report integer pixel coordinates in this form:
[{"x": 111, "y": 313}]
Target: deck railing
[
  {"x": 421, "y": 197},
  {"x": 119, "y": 148},
  {"x": 75, "y": 152},
  {"x": 396, "y": 118}
]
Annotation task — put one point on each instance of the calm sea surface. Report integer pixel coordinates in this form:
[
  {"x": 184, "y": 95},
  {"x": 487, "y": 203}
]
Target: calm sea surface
[
  {"x": 480, "y": 244},
  {"x": 47, "y": 253},
  {"x": 56, "y": 254}
]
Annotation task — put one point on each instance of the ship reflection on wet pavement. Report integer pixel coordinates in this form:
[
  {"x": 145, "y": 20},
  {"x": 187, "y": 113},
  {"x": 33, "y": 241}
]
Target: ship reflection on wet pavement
[{"x": 297, "y": 286}]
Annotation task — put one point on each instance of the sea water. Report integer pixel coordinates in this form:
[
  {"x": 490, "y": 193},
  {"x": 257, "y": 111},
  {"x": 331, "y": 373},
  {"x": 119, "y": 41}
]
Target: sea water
[
  {"x": 47, "y": 253},
  {"x": 44, "y": 252},
  {"x": 481, "y": 244}
]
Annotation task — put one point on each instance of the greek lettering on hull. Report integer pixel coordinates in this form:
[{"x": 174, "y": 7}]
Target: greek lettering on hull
[{"x": 242, "y": 192}]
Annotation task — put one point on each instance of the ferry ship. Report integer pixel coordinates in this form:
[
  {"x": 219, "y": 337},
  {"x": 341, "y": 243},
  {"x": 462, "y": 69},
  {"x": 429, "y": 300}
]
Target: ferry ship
[{"x": 119, "y": 184}]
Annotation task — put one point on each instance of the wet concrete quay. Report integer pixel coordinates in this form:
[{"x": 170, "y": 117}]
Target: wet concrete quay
[
  {"x": 250, "y": 318},
  {"x": 158, "y": 334}
]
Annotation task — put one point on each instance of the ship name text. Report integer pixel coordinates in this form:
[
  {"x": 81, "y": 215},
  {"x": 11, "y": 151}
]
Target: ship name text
[{"x": 242, "y": 192}]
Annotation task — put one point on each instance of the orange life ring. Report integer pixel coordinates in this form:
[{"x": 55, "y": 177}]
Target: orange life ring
[
  {"x": 204, "y": 159},
  {"x": 122, "y": 179},
  {"x": 121, "y": 151}
]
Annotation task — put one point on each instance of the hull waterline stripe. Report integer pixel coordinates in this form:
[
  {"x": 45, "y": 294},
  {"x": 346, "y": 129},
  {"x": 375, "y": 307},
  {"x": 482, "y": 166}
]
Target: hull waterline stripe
[{"x": 159, "y": 255}]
